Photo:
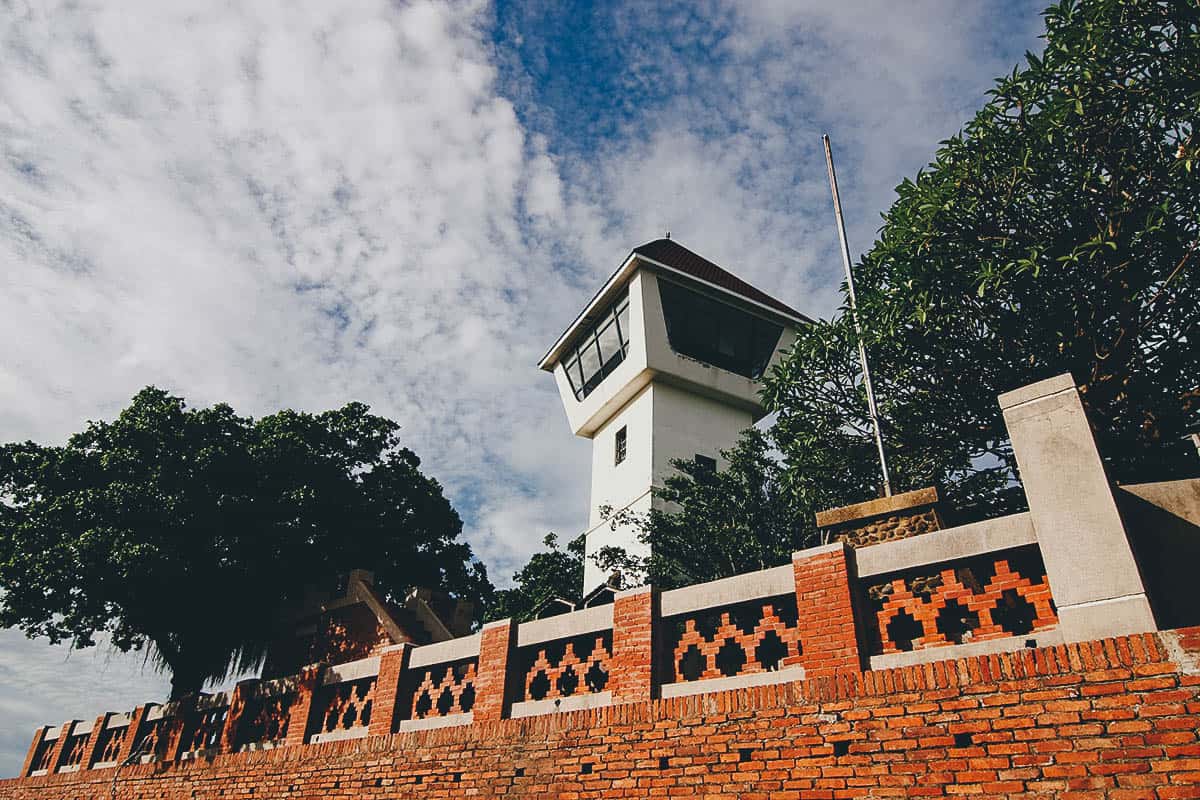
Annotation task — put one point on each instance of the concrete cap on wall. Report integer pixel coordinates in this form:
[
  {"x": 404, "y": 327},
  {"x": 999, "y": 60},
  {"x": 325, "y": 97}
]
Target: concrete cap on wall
[{"x": 1033, "y": 391}]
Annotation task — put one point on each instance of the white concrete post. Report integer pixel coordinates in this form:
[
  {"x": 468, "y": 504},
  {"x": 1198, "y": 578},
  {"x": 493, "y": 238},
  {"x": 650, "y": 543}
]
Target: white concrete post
[{"x": 1093, "y": 575}]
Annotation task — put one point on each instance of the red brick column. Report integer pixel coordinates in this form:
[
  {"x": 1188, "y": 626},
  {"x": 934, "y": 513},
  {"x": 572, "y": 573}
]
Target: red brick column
[
  {"x": 39, "y": 736},
  {"x": 180, "y": 710},
  {"x": 392, "y": 663},
  {"x": 631, "y": 671},
  {"x": 237, "y": 706},
  {"x": 60, "y": 747},
  {"x": 494, "y": 680},
  {"x": 308, "y": 682},
  {"x": 93, "y": 745},
  {"x": 131, "y": 736},
  {"x": 825, "y": 599}
]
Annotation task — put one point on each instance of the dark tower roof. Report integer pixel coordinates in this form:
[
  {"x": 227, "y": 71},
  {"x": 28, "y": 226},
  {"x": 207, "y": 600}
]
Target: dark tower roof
[
  {"x": 674, "y": 255},
  {"x": 669, "y": 256}
]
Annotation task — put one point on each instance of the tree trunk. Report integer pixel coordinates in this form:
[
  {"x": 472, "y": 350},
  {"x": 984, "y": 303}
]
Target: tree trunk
[{"x": 185, "y": 681}]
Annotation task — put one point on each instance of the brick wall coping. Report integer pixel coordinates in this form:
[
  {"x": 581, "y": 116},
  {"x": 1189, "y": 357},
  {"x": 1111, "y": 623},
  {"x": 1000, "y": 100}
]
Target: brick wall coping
[
  {"x": 351, "y": 671},
  {"x": 877, "y": 508},
  {"x": 751, "y": 679},
  {"x": 444, "y": 652},
  {"x": 215, "y": 700},
  {"x": 561, "y": 705},
  {"x": 749, "y": 586},
  {"x": 429, "y": 723},
  {"x": 118, "y": 719},
  {"x": 964, "y": 541},
  {"x": 1011, "y": 644},
  {"x": 273, "y": 687},
  {"x": 562, "y": 626}
]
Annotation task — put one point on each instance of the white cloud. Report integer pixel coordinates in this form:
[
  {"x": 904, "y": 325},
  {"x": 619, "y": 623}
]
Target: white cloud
[{"x": 301, "y": 204}]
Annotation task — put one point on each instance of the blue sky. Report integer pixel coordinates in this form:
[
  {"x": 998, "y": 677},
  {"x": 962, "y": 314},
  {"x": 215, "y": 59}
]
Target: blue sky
[{"x": 301, "y": 203}]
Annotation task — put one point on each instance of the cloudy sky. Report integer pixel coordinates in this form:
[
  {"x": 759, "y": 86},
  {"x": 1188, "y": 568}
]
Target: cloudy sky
[{"x": 298, "y": 203}]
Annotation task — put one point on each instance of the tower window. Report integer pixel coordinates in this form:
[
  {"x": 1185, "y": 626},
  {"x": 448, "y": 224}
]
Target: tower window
[
  {"x": 717, "y": 333},
  {"x": 705, "y": 464},
  {"x": 619, "y": 444},
  {"x": 599, "y": 350}
]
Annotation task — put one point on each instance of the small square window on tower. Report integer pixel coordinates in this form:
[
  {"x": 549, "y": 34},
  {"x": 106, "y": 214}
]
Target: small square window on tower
[{"x": 619, "y": 445}]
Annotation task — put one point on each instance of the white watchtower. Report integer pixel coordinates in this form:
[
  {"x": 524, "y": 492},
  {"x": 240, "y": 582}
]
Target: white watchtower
[{"x": 662, "y": 364}]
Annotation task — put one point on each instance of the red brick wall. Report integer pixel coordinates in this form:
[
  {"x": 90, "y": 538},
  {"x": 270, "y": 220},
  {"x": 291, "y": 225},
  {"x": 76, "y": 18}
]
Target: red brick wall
[{"x": 1117, "y": 718}]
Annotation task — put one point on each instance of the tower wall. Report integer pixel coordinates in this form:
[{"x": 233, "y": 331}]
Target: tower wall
[
  {"x": 671, "y": 407},
  {"x": 661, "y": 423}
]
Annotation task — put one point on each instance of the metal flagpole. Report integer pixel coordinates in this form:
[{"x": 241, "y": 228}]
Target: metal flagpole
[{"x": 862, "y": 350}]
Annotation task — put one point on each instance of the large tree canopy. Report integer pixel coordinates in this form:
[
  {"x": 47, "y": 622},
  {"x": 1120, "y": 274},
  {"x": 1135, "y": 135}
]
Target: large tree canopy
[
  {"x": 194, "y": 530},
  {"x": 1056, "y": 233}
]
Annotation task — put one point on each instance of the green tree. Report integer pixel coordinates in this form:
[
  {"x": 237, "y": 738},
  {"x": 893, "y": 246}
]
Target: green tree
[
  {"x": 719, "y": 522},
  {"x": 552, "y": 573},
  {"x": 1056, "y": 233},
  {"x": 193, "y": 530}
]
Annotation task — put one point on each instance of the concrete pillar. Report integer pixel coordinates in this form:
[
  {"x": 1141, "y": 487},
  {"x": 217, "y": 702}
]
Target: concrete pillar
[
  {"x": 308, "y": 683},
  {"x": 39, "y": 736},
  {"x": 631, "y": 670},
  {"x": 237, "y": 707},
  {"x": 494, "y": 681},
  {"x": 181, "y": 713},
  {"x": 393, "y": 661},
  {"x": 825, "y": 601},
  {"x": 136, "y": 720},
  {"x": 1093, "y": 576}
]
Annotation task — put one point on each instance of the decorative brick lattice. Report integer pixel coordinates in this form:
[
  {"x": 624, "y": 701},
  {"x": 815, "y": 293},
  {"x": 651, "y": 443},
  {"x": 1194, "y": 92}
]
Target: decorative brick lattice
[
  {"x": 444, "y": 689},
  {"x": 265, "y": 719},
  {"x": 150, "y": 740},
  {"x": 41, "y": 758},
  {"x": 74, "y": 749},
  {"x": 757, "y": 636},
  {"x": 345, "y": 706},
  {"x": 202, "y": 730},
  {"x": 990, "y": 597},
  {"x": 111, "y": 740},
  {"x": 567, "y": 667}
]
